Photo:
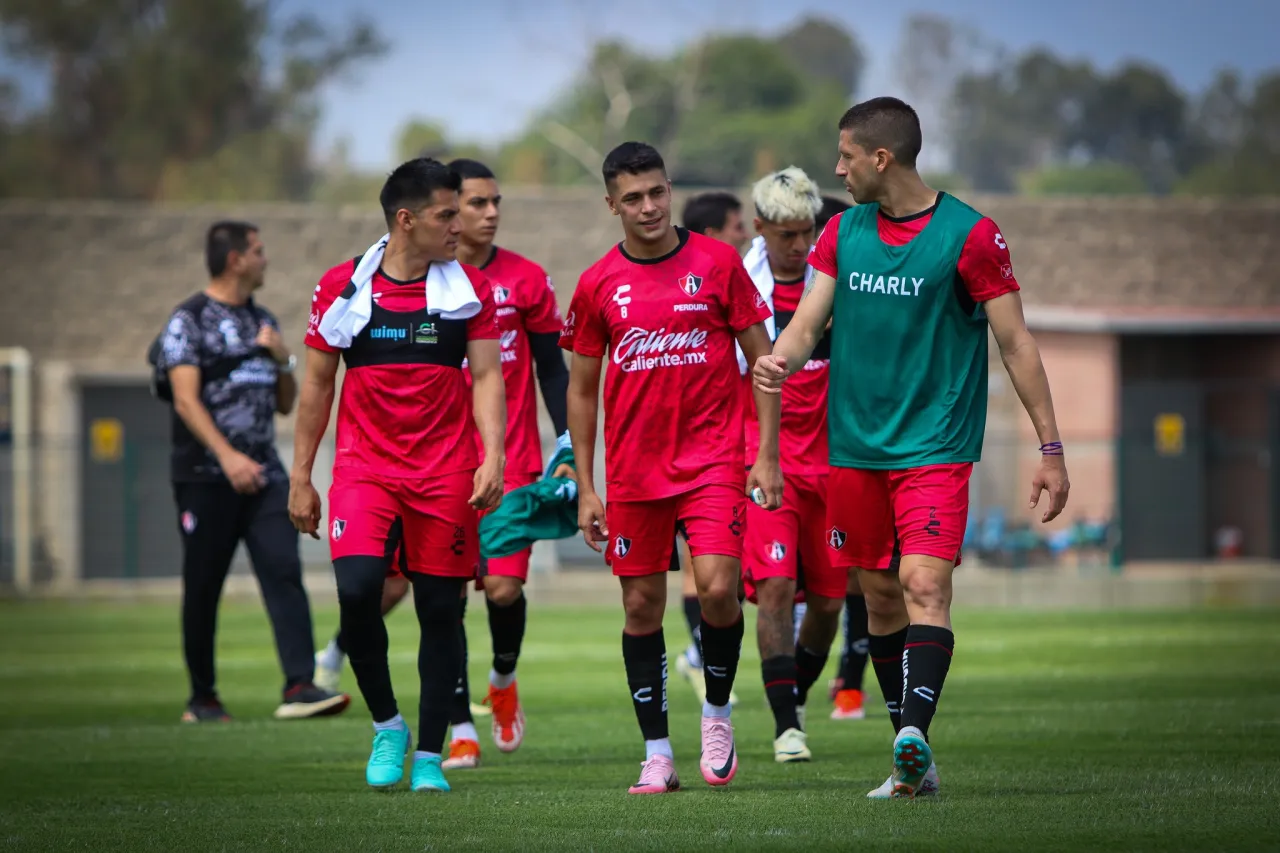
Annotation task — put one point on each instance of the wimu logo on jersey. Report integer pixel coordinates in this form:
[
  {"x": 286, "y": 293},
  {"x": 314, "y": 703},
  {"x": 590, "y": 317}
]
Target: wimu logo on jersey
[
  {"x": 890, "y": 285},
  {"x": 641, "y": 349}
]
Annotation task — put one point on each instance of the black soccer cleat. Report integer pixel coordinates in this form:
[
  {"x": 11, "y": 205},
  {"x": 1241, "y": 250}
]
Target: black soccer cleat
[{"x": 304, "y": 701}]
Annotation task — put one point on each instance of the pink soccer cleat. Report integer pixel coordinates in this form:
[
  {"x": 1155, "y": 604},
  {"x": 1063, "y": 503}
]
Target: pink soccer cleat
[
  {"x": 719, "y": 756},
  {"x": 657, "y": 776}
]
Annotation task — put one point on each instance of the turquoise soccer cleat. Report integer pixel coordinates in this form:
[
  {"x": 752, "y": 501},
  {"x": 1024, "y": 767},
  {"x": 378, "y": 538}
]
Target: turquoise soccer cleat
[
  {"x": 427, "y": 775},
  {"x": 386, "y": 763}
]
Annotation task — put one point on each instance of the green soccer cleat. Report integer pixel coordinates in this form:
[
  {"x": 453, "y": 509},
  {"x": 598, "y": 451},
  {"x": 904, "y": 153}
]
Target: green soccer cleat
[
  {"x": 386, "y": 763},
  {"x": 912, "y": 759},
  {"x": 427, "y": 775}
]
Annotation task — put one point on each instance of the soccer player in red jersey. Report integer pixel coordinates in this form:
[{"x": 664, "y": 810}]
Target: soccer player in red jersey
[
  {"x": 530, "y": 323},
  {"x": 779, "y": 543},
  {"x": 912, "y": 280},
  {"x": 666, "y": 307},
  {"x": 406, "y": 456}
]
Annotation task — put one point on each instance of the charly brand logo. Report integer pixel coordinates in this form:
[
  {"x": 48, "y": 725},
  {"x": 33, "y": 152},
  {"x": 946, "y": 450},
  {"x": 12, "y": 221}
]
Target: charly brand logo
[
  {"x": 891, "y": 285},
  {"x": 425, "y": 334},
  {"x": 641, "y": 349}
]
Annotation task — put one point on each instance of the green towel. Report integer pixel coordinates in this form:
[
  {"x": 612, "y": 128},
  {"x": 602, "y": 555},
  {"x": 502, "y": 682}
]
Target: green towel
[{"x": 545, "y": 510}]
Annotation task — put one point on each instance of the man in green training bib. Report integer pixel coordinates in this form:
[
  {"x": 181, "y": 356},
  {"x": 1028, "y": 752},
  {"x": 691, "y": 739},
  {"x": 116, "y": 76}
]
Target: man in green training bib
[{"x": 911, "y": 279}]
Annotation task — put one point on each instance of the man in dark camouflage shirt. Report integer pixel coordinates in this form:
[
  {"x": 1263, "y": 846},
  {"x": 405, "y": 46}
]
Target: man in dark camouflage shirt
[{"x": 230, "y": 373}]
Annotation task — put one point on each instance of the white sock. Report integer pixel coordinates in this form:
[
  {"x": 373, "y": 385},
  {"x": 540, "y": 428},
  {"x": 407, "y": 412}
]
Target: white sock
[
  {"x": 396, "y": 722},
  {"x": 709, "y": 710},
  {"x": 331, "y": 657},
  {"x": 418, "y": 755},
  {"x": 693, "y": 656},
  {"x": 501, "y": 681},
  {"x": 465, "y": 731},
  {"x": 661, "y": 746},
  {"x": 797, "y": 615}
]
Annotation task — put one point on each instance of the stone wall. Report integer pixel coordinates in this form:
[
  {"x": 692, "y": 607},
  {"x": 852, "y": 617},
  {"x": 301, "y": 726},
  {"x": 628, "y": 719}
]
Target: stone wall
[{"x": 92, "y": 282}]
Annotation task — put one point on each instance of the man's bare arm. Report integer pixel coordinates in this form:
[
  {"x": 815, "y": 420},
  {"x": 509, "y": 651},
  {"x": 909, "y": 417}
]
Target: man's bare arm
[
  {"x": 1022, "y": 361},
  {"x": 754, "y": 341},
  {"x": 315, "y": 403},
  {"x": 583, "y": 399},
  {"x": 488, "y": 393},
  {"x": 801, "y": 336},
  {"x": 184, "y": 379}
]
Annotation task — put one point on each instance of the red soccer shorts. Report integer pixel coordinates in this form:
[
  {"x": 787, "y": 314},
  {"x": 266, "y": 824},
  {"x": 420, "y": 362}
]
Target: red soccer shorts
[
  {"x": 873, "y": 517},
  {"x": 514, "y": 565},
  {"x": 642, "y": 534},
  {"x": 793, "y": 537},
  {"x": 436, "y": 525}
]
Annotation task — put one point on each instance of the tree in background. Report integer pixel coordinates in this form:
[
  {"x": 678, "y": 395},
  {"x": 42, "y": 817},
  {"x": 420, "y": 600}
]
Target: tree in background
[
  {"x": 170, "y": 99},
  {"x": 721, "y": 110}
]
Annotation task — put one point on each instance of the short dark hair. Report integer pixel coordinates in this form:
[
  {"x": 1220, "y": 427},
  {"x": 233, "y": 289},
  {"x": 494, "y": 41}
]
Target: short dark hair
[
  {"x": 709, "y": 210},
  {"x": 471, "y": 169},
  {"x": 830, "y": 207},
  {"x": 412, "y": 184},
  {"x": 633, "y": 158},
  {"x": 885, "y": 123},
  {"x": 223, "y": 239}
]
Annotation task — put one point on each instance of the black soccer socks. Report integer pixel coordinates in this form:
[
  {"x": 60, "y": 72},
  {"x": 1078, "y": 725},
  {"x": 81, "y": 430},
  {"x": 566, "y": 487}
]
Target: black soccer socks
[
  {"x": 886, "y": 660},
  {"x": 645, "y": 658},
  {"x": 809, "y": 666},
  {"x": 721, "y": 649},
  {"x": 506, "y": 627},
  {"x": 926, "y": 659},
  {"x": 779, "y": 675},
  {"x": 853, "y": 663}
]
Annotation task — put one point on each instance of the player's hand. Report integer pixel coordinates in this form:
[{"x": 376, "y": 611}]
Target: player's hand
[
  {"x": 769, "y": 373},
  {"x": 247, "y": 477},
  {"x": 1051, "y": 477},
  {"x": 564, "y": 469},
  {"x": 767, "y": 477},
  {"x": 270, "y": 340},
  {"x": 304, "y": 508},
  {"x": 488, "y": 485},
  {"x": 591, "y": 520}
]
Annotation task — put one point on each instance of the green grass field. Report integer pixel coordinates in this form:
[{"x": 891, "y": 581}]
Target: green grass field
[{"x": 1124, "y": 731}]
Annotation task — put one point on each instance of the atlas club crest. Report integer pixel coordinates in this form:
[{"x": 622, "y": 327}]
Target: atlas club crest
[{"x": 691, "y": 284}]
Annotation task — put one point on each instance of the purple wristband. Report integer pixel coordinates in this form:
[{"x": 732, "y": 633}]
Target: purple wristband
[{"x": 1053, "y": 448}]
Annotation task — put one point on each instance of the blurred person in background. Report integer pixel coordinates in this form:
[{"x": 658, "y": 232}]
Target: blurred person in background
[
  {"x": 846, "y": 688},
  {"x": 228, "y": 373},
  {"x": 717, "y": 215}
]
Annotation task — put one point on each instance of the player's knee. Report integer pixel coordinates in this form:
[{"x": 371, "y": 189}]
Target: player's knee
[
  {"x": 883, "y": 598},
  {"x": 643, "y": 605},
  {"x": 824, "y": 608},
  {"x": 359, "y": 580},
  {"x": 775, "y": 595},
  {"x": 927, "y": 590},
  {"x": 503, "y": 592}
]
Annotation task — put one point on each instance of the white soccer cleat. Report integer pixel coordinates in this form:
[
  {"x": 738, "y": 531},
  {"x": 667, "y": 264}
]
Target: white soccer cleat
[
  {"x": 791, "y": 746},
  {"x": 326, "y": 678},
  {"x": 928, "y": 787}
]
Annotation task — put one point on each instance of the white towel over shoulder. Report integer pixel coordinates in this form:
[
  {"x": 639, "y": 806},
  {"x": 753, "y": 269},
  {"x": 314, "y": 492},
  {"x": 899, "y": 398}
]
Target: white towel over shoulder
[
  {"x": 757, "y": 264},
  {"x": 448, "y": 293}
]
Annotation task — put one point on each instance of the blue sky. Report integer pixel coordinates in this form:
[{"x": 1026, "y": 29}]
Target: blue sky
[{"x": 483, "y": 66}]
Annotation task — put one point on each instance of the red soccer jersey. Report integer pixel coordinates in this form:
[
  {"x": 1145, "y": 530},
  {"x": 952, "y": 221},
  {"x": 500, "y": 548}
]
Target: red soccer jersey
[
  {"x": 526, "y": 304},
  {"x": 984, "y": 266},
  {"x": 405, "y": 407},
  {"x": 673, "y": 409},
  {"x": 802, "y": 437}
]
